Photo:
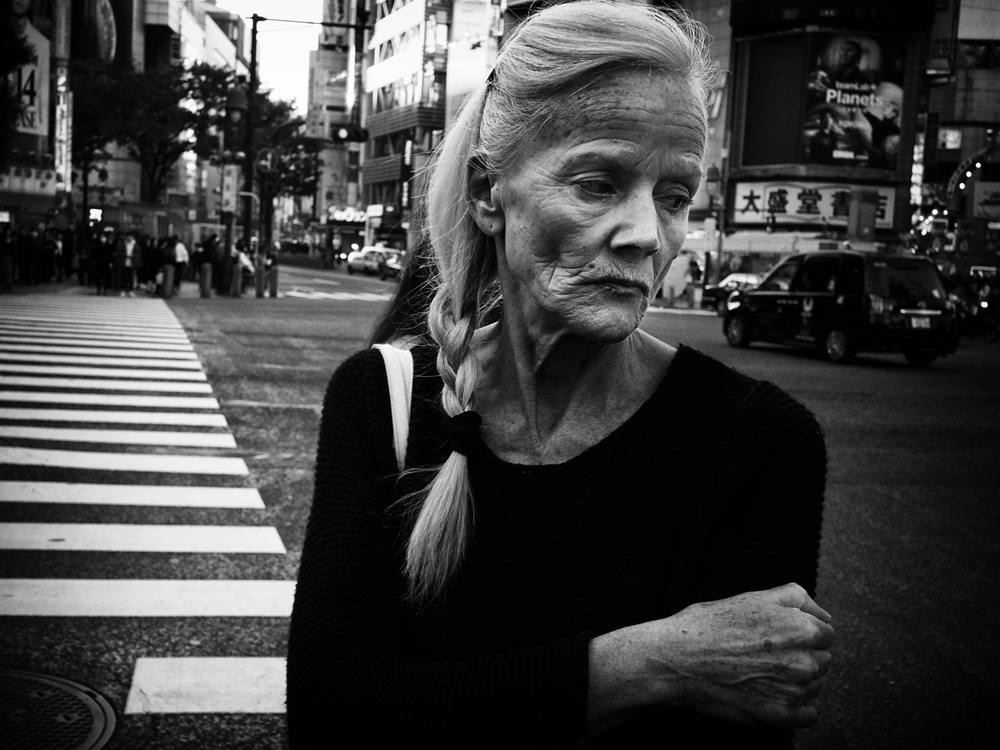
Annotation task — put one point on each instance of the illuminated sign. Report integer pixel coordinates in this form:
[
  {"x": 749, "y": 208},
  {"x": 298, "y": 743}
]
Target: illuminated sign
[
  {"x": 805, "y": 203},
  {"x": 854, "y": 100}
]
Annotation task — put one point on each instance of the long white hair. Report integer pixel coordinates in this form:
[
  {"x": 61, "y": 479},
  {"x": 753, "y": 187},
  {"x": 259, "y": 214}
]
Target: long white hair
[{"x": 548, "y": 57}]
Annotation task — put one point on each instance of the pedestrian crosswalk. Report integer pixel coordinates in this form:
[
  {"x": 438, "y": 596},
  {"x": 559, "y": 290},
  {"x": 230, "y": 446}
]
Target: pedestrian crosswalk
[{"x": 104, "y": 405}]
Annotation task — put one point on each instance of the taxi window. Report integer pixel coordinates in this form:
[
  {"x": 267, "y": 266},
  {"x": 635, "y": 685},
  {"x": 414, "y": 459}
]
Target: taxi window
[
  {"x": 819, "y": 275},
  {"x": 852, "y": 275},
  {"x": 904, "y": 278},
  {"x": 780, "y": 279}
]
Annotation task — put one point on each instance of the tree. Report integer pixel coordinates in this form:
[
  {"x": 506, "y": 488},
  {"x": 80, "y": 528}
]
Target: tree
[
  {"x": 208, "y": 88},
  {"x": 157, "y": 123},
  {"x": 273, "y": 126},
  {"x": 14, "y": 52},
  {"x": 97, "y": 105}
]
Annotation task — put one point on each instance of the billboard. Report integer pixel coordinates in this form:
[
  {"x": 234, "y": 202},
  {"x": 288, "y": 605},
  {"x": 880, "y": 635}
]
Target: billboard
[
  {"x": 30, "y": 82},
  {"x": 854, "y": 99}
]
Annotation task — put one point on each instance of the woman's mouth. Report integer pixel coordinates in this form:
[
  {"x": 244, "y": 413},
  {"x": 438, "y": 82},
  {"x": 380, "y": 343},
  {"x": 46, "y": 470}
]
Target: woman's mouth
[{"x": 620, "y": 285}]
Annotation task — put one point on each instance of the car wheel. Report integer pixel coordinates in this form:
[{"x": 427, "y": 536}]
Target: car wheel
[
  {"x": 991, "y": 335},
  {"x": 838, "y": 346},
  {"x": 918, "y": 358},
  {"x": 350, "y": 271},
  {"x": 737, "y": 331}
]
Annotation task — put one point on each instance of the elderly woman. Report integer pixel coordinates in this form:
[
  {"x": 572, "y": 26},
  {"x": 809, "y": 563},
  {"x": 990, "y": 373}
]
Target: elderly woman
[{"x": 563, "y": 561}]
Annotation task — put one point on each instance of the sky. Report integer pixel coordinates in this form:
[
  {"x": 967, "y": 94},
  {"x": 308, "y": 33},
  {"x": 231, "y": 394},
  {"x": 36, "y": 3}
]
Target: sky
[{"x": 283, "y": 48}]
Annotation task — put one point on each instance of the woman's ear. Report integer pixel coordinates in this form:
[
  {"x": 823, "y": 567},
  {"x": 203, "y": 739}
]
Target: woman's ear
[{"x": 484, "y": 204}]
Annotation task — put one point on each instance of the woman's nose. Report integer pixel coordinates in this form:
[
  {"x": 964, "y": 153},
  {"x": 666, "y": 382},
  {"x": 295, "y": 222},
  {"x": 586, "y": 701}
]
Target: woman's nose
[{"x": 639, "y": 228}]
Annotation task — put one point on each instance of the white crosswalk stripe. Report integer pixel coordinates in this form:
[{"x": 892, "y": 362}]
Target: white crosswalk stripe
[
  {"x": 74, "y": 493},
  {"x": 120, "y": 437},
  {"x": 91, "y": 384},
  {"x": 76, "y": 597},
  {"x": 150, "y": 421},
  {"x": 104, "y": 372},
  {"x": 207, "y": 684},
  {"x": 136, "y": 537},
  {"x": 101, "y": 399},
  {"x": 91, "y": 343}
]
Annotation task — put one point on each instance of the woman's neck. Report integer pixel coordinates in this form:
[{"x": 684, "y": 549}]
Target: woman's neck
[{"x": 546, "y": 400}]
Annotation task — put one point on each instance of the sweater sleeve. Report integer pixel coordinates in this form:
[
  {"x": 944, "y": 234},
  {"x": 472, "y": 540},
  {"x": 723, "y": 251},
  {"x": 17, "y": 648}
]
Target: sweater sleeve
[
  {"x": 768, "y": 496},
  {"x": 351, "y": 674}
]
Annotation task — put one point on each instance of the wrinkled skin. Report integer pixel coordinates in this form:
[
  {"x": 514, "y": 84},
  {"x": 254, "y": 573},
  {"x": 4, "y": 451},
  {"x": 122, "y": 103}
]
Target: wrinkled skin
[
  {"x": 758, "y": 658},
  {"x": 588, "y": 223}
]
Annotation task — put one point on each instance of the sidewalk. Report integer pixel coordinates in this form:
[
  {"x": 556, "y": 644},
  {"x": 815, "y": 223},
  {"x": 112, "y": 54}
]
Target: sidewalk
[
  {"x": 192, "y": 290},
  {"x": 71, "y": 286}
]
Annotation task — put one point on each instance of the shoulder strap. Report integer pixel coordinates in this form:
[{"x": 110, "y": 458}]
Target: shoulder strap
[{"x": 399, "y": 373}]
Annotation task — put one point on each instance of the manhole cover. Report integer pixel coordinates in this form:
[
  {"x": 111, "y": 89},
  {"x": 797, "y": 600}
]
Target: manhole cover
[{"x": 42, "y": 712}]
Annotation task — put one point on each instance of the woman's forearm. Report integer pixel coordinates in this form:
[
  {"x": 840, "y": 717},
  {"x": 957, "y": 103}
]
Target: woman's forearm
[{"x": 756, "y": 658}]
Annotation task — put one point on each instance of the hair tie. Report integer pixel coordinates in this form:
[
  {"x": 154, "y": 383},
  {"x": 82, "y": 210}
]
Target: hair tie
[{"x": 461, "y": 432}]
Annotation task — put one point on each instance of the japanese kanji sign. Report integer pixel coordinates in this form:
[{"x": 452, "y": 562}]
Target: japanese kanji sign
[{"x": 804, "y": 203}]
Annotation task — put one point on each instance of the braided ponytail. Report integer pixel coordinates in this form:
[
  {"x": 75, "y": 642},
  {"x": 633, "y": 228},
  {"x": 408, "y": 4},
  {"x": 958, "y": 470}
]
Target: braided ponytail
[{"x": 542, "y": 63}]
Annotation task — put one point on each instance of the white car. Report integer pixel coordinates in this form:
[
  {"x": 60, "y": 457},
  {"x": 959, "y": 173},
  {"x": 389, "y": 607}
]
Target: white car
[{"x": 368, "y": 260}]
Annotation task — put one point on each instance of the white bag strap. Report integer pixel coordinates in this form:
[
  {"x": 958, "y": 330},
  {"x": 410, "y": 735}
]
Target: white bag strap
[{"x": 399, "y": 372}]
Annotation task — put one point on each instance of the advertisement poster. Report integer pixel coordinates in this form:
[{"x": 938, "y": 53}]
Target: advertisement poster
[
  {"x": 31, "y": 82},
  {"x": 987, "y": 201},
  {"x": 854, "y": 101}
]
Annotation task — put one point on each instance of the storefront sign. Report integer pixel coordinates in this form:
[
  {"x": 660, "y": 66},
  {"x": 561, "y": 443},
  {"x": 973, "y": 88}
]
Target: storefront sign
[
  {"x": 230, "y": 187},
  {"x": 345, "y": 215},
  {"x": 63, "y": 143},
  {"x": 815, "y": 203}
]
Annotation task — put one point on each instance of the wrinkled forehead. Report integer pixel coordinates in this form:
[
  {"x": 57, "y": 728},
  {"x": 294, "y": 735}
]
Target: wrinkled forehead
[{"x": 622, "y": 97}]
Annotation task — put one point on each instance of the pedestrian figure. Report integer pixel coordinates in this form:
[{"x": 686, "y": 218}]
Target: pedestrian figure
[
  {"x": 102, "y": 256},
  {"x": 7, "y": 250},
  {"x": 126, "y": 259},
  {"x": 529, "y": 546},
  {"x": 181, "y": 260}
]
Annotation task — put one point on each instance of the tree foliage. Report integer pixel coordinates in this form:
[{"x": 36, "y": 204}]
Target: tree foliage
[
  {"x": 208, "y": 88},
  {"x": 157, "y": 126}
]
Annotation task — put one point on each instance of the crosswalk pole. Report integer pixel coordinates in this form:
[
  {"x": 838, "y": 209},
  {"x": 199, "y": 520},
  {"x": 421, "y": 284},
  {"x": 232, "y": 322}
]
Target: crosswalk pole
[{"x": 206, "y": 280}]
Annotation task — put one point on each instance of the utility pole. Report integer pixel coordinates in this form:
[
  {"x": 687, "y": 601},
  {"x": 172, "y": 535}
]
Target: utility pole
[
  {"x": 360, "y": 26},
  {"x": 251, "y": 121}
]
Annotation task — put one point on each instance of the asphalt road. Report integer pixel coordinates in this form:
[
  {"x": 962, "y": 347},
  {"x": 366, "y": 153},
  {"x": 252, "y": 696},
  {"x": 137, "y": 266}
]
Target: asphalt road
[{"x": 910, "y": 533}]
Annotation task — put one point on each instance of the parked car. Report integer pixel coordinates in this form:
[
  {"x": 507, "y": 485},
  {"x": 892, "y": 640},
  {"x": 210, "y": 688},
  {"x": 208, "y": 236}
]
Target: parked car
[
  {"x": 714, "y": 296},
  {"x": 368, "y": 260},
  {"x": 294, "y": 247},
  {"x": 393, "y": 266},
  {"x": 846, "y": 302}
]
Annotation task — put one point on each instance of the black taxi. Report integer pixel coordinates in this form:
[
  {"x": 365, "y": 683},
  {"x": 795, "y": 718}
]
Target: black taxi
[{"x": 844, "y": 302}]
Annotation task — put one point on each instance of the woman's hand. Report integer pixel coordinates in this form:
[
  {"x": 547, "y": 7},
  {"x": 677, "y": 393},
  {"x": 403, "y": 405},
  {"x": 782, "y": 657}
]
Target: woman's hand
[
  {"x": 756, "y": 658},
  {"x": 760, "y": 657}
]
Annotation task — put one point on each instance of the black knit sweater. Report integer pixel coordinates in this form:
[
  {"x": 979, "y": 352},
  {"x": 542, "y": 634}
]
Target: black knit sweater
[{"x": 712, "y": 488}]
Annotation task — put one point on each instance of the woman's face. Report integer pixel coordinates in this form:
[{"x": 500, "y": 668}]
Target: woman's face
[{"x": 597, "y": 208}]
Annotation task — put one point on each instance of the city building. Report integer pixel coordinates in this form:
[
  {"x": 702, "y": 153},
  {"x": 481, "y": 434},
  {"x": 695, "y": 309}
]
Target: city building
[
  {"x": 416, "y": 50},
  {"x": 334, "y": 107},
  {"x": 41, "y": 184},
  {"x": 842, "y": 121}
]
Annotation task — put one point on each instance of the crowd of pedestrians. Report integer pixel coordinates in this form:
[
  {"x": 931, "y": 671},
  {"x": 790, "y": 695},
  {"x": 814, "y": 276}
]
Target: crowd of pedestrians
[{"x": 111, "y": 261}]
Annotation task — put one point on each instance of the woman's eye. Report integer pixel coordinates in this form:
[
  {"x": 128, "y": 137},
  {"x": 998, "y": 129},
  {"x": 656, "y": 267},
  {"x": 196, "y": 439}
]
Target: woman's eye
[
  {"x": 674, "y": 202},
  {"x": 597, "y": 187}
]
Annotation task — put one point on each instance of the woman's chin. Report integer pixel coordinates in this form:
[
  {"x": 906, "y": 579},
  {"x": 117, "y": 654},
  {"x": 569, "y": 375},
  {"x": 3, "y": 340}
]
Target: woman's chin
[{"x": 612, "y": 324}]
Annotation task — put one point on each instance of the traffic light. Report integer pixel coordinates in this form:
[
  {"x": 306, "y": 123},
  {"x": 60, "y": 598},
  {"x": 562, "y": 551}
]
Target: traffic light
[{"x": 346, "y": 133}]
